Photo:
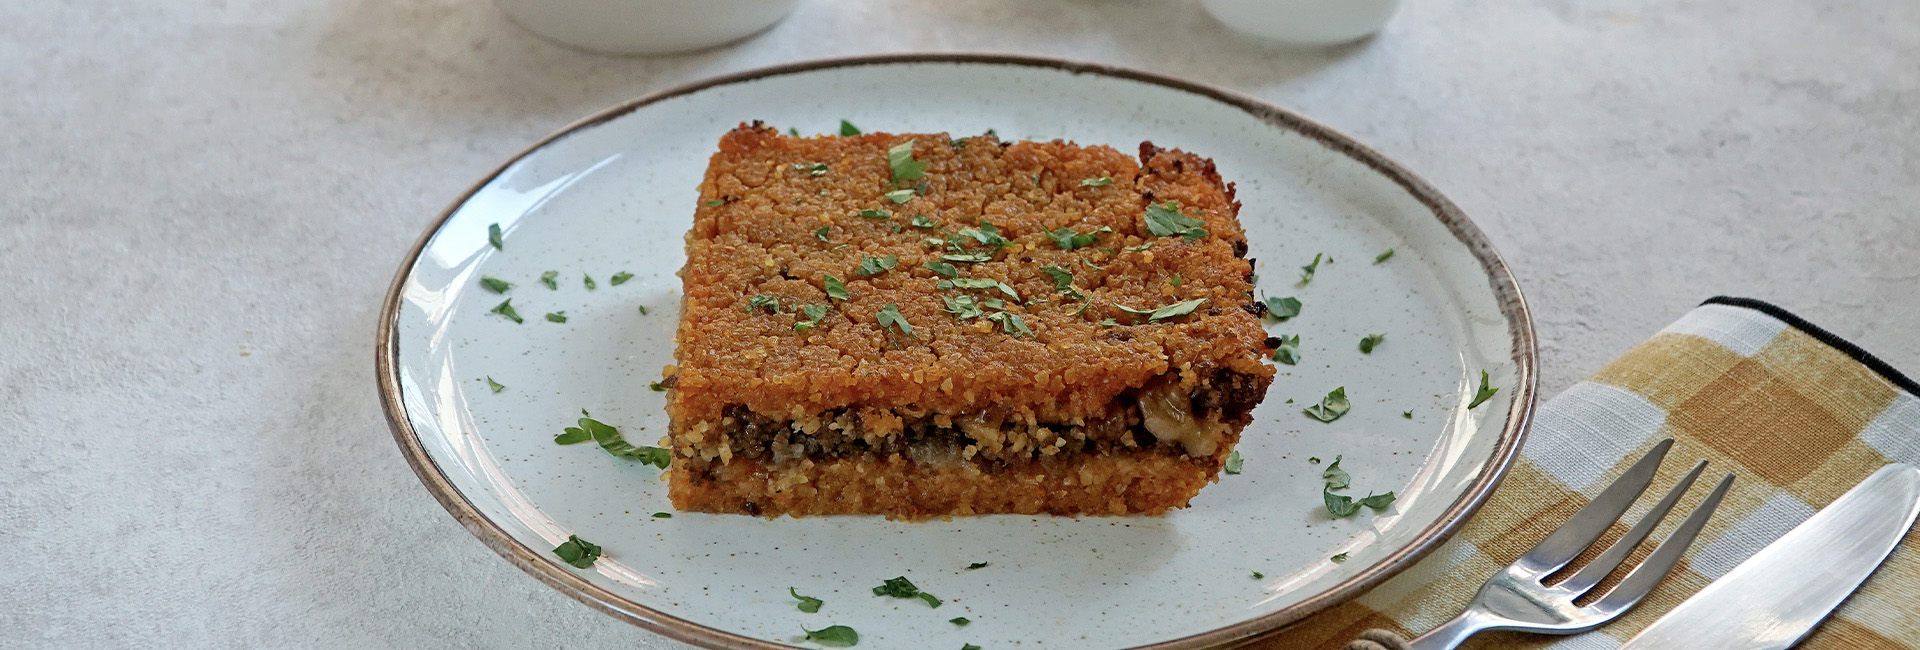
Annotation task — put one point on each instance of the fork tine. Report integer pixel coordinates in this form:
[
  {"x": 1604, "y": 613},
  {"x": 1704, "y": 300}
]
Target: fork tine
[
  {"x": 1572, "y": 537},
  {"x": 1644, "y": 577},
  {"x": 1594, "y": 571}
]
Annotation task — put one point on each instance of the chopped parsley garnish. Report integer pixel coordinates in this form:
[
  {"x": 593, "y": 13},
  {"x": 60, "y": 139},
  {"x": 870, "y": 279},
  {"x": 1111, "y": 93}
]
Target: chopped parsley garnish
[
  {"x": 1335, "y": 477},
  {"x": 822, "y": 233},
  {"x": 968, "y": 257},
  {"x": 1483, "y": 395},
  {"x": 663, "y": 515},
  {"x": 1140, "y": 247},
  {"x": 1062, "y": 278},
  {"x": 1108, "y": 322},
  {"x": 836, "y": 289},
  {"x": 1382, "y": 257},
  {"x": 1068, "y": 239},
  {"x": 969, "y": 647},
  {"x": 1166, "y": 220},
  {"x": 900, "y": 196},
  {"x": 875, "y": 214},
  {"x": 657, "y": 387},
  {"x": 578, "y": 552},
  {"x": 900, "y": 587},
  {"x": 1341, "y": 557},
  {"x": 976, "y": 565},
  {"x": 1176, "y": 280},
  {"x": 1091, "y": 265},
  {"x": 1306, "y": 272},
  {"x": 1281, "y": 309},
  {"x": 1331, "y": 407},
  {"x": 1340, "y": 505},
  {"x": 1234, "y": 462},
  {"x": 643, "y": 310},
  {"x": 847, "y": 128},
  {"x": 921, "y": 221},
  {"x": 573, "y": 435},
  {"x": 1408, "y": 414},
  {"x": 807, "y": 604},
  {"x": 495, "y": 285},
  {"x": 959, "y": 620},
  {"x": 1257, "y": 575},
  {"x": 838, "y": 635},
  {"x": 793, "y": 131},
  {"x": 557, "y": 317},
  {"x": 493, "y": 236},
  {"x": 1010, "y": 323},
  {"x": 1102, "y": 181},
  {"x": 876, "y": 265},
  {"x": 620, "y": 278},
  {"x": 889, "y": 316},
  {"x": 588, "y": 280},
  {"x": 1370, "y": 341},
  {"x": 816, "y": 169},
  {"x": 1170, "y": 311},
  {"x": 1313, "y": 459},
  {"x": 942, "y": 268},
  {"x": 962, "y": 307},
  {"x": 814, "y": 314},
  {"x": 980, "y": 283},
  {"x": 550, "y": 279},
  {"x": 771, "y": 303},
  {"x": 905, "y": 168},
  {"x": 505, "y": 308},
  {"x": 610, "y": 440},
  {"x": 714, "y": 203},
  {"x": 1289, "y": 350},
  {"x": 495, "y": 385}
]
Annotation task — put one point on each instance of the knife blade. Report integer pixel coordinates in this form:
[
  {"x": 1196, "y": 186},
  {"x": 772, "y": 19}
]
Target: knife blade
[{"x": 1775, "y": 598}]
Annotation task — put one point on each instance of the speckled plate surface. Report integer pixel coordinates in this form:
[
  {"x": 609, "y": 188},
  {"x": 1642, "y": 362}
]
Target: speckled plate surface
[{"x": 615, "y": 192}]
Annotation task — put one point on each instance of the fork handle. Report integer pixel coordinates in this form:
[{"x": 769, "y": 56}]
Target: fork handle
[{"x": 1447, "y": 636}]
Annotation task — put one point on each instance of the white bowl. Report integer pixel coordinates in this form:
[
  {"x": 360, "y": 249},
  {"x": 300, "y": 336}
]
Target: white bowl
[
  {"x": 1304, "y": 22},
  {"x": 645, "y": 26}
]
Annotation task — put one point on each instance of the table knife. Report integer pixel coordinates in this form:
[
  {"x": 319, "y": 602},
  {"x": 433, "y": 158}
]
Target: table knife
[{"x": 1775, "y": 598}]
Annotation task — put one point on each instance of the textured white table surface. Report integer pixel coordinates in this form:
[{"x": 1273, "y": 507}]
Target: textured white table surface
[{"x": 204, "y": 202}]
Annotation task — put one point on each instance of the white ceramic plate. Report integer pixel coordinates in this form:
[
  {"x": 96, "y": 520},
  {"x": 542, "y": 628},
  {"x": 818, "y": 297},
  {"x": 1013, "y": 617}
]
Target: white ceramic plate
[{"x": 616, "y": 192}]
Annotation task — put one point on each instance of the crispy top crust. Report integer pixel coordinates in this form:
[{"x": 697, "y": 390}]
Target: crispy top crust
[{"x": 761, "y": 240}]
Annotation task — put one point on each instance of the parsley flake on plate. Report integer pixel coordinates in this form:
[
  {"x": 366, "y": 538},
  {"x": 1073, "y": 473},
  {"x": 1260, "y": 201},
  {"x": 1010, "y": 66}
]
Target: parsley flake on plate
[
  {"x": 807, "y": 604},
  {"x": 837, "y": 635},
  {"x": 1234, "y": 462},
  {"x": 1371, "y": 341},
  {"x": 493, "y": 236},
  {"x": 495, "y": 285},
  {"x": 836, "y": 290},
  {"x": 1102, "y": 181},
  {"x": 1306, "y": 272},
  {"x": 550, "y": 279},
  {"x": 1484, "y": 393},
  {"x": 495, "y": 385},
  {"x": 899, "y": 587},
  {"x": 663, "y": 515},
  {"x": 1342, "y": 557},
  {"x": 889, "y": 316},
  {"x": 578, "y": 552},
  {"x": 1174, "y": 310},
  {"x": 1408, "y": 414},
  {"x": 1069, "y": 239},
  {"x": 905, "y": 168},
  {"x": 588, "y": 280},
  {"x": 876, "y": 265},
  {"x": 1382, "y": 257},
  {"x": 847, "y": 128},
  {"x": 959, "y": 620},
  {"x": 1289, "y": 350},
  {"x": 1331, "y": 407},
  {"x": 814, "y": 314},
  {"x": 1166, "y": 220},
  {"x": 505, "y": 308},
  {"x": 1281, "y": 309},
  {"x": 1336, "y": 478},
  {"x": 620, "y": 278},
  {"x": 976, "y": 565},
  {"x": 1257, "y": 575},
  {"x": 969, "y": 647},
  {"x": 611, "y": 441},
  {"x": 643, "y": 310},
  {"x": 657, "y": 387},
  {"x": 557, "y": 317},
  {"x": 1342, "y": 506}
]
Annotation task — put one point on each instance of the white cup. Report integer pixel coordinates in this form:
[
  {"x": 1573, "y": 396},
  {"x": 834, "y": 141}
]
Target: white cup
[
  {"x": 1304, "y": 22},
  {"x": 645, "y": 26}
]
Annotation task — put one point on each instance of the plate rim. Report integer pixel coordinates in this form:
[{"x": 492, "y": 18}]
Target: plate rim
[{"x": 1506, "y": 289}]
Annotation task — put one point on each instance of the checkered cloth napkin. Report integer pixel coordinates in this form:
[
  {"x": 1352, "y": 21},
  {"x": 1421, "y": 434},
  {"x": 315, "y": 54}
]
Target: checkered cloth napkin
[{"x": 1798, "y": 413}]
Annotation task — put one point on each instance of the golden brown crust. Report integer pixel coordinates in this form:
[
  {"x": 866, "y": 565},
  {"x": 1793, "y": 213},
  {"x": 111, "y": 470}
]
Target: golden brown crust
[{"x": 754, "y": 234}]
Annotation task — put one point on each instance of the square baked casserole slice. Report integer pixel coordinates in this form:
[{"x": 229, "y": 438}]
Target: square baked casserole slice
[{"x": 919, "y": 326}]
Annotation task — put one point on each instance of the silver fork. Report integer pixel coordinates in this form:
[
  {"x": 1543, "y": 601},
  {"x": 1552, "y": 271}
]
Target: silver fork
[{"x": 1518, "y": 597}]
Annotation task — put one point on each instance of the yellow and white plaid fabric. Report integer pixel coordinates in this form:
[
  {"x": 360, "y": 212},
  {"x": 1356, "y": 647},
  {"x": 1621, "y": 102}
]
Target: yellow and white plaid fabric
[{"x": 1799, "y": 415}]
